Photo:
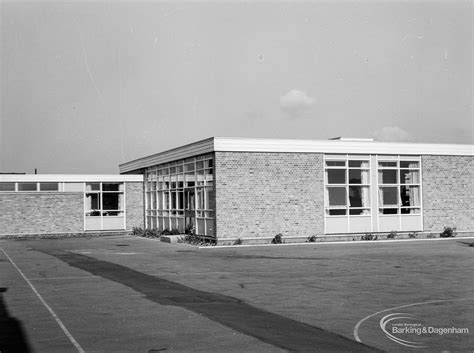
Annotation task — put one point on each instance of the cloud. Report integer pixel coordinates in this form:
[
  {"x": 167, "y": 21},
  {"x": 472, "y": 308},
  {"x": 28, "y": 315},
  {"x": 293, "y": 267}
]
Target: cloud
[
  {"x": 295, "y": 102},
  {"x": 392, "y": 133}
]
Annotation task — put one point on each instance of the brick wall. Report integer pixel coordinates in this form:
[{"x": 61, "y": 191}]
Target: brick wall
[
  {"x": 448, "y": 192},
  {"x": 41, "y": 212},
  {"x": 262, "y": 194},
  {"x": 134, "y": 205}
]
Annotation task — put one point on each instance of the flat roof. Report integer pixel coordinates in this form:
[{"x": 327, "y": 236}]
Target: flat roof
[
  {"x": 71, "y": 178},
  {"x": 338, "y": 146}
]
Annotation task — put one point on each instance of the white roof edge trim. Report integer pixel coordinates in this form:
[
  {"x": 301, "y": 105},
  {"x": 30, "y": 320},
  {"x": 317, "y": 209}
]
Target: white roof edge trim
[
  {"x": 188, "y": 150},
  {"x": 339, "y": 146},
  {"x": 247, "y": 144},
  {"x": 70, "y": 178}
]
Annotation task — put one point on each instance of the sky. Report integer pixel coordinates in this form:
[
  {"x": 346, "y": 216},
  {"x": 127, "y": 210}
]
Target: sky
[{"x": 88, "y": 85}]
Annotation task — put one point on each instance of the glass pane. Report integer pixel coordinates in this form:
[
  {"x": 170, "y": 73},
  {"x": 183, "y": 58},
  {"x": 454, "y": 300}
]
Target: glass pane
[
  {"x": 200, "y": 165},
  {"x": 92, "y": 186},
  {"x": 337, "y": 196},
  {"x": 341, "y": 212},
  {"x": 358, "y": 164},
  {"x": 359, "y": 196},
  {"x": 173, "y": 200},
  {"x": 388, "y": 211},
  {"x": 209, "y": 199},
  {"x": 189, "y": 167},
  {"x": 114, "y": 201},
  {"x": 112, "y": 213},
  {"x": 387, "y": 164},
  {"x": 388, "y": 176},
  {"x": 359, "y": 212},
  {"x": 388, "y": 196},
  {"x": 49, "y": 186},
  {"x": 200, "y": 199},
  {"x": 160, "y": 200},
  {"x": 410, "y": 211},
  {"x": 410, "y": 195},
  {"x": 355, "y": 176},
  {"x": 93, "y": 201},
  {"x": 7, "y": 186},
  {"x": 152, "y": 200},
  {"x": 409, "y": 176},
  {"x": 336, "y": 163},
  {"x": 180, "y": 200},
  {"x": 409, "y": 164},
  {"x": 112, "y": 186},
  {"x": 336, "y": 176},
  {"x": 26, "y": 186}
]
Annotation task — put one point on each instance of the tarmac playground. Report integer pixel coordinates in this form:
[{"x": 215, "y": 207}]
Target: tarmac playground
[{"x": 128, "y": 294}]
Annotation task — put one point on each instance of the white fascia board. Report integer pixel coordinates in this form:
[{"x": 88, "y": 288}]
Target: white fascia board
[
  {"x": 70, "y": 178},
  {"x": 189, "y": 150},
  {"x": 222, "y": 144},
  {"x": 226, "y": 144}
]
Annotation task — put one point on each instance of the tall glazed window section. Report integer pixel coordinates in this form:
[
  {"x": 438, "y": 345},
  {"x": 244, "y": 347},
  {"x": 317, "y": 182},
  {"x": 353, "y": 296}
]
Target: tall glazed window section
[
  {"x": 399, "y": 193},
  {"x": 104, "y": 205},
  {"x": 347, "y": 194},
  {"x": 180, "y": 195}
]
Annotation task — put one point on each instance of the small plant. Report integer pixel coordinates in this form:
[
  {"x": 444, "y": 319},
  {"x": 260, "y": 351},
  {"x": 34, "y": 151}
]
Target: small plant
[
  {"x": 312, "y": 239},
  {"x": 369, "y": 236},
  {"x": 190, "y": 229},
  {"x": 152, "y": 233},
  {"x": 392, "y": 235},
  {"x": 137, "y": 231},
  {"x": 238, "y": 242},
  {"x": 147, "y": 232},
  {"x": 166, "y": 231},
  {"x": 277, "y": 239},
  {"x": 175, "y": 231},
  {"x": 448, "y": 232},
  {"x": 412, "y": 235}
]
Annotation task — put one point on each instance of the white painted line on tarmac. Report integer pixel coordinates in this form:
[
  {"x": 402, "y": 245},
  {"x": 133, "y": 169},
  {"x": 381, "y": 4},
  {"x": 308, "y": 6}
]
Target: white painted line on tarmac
[
  {"x": 330, "y": 243},
  {"x": 357, "y": 326},
  {"x": 53, "y": 314}
]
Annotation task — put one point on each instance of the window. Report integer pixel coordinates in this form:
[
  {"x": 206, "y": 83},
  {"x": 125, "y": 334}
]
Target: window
[
  {"x": 179, "y": 195},
  {"x": 104, "y": 199},
  {"x": 49, "y": 187},
  {"x": 399, "y": 187},
  {"x": 27, "y": 187},
  {"x": 347, "y": 187},
  {"x": 7, "y": 186}
]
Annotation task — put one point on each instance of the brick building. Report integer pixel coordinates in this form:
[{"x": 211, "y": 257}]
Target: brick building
[
  {"x": 69, "y": 204},
  {"x": 252, "y": 189},
  {"x": 230, "y": 188}
]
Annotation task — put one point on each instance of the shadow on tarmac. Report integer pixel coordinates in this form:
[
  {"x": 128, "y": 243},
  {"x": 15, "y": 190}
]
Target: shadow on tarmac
[
  {"x": 231, "y": 312},
  {"x": 12, "y": 335}
]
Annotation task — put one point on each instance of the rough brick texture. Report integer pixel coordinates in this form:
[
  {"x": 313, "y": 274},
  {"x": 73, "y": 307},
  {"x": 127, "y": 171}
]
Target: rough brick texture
[
  {"x": 41, "y": 212},
  {"x": 135, "y": 207},
  {"x": 262, "y": 194},
  {"x": 448, "y": 192}
]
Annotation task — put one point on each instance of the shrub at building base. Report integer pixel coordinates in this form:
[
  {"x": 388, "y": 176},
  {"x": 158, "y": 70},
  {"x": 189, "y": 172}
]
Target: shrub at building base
[
  {"x": 392, "y": 235},
  {"x": 277, "y": 239},
  {"x": 448, "y": 232},
  {"x": 146, "y": 233},
  {"x": 369, "y": 236}
]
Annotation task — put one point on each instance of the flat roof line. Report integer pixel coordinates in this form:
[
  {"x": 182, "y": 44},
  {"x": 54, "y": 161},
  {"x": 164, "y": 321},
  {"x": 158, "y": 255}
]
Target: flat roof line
[{"x": 339, "y": 146}]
